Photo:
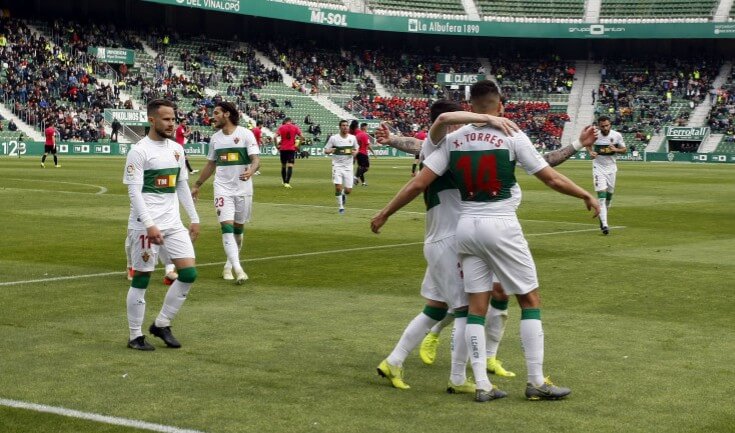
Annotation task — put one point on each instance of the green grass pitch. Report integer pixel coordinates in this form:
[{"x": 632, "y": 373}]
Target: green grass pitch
[{"x": 639, "y": 323}]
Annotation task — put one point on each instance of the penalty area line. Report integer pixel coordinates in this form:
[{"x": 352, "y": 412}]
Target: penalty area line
[{"x": 71, "y": 413}]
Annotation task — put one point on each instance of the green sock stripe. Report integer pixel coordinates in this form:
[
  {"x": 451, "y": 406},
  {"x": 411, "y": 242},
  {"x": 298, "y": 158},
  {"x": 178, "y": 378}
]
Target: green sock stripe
[
  {"x": 601, "y": 194},
  {"x": 141, "y": 281},
  {"x": 337, "y": 194},
  {"x": 460, "y": 313},
  {"x": 531, "y": 314},
  {"x": 435, "y": 312},
  {"x": 238, "y": 230},
  {"x": 473, "y": 319},
  {"x": 499, "y": 305},
  {"x": 227, "y": 228},
  {"x": 188, "y": 275},
  {"x": 609, "y": 197}
]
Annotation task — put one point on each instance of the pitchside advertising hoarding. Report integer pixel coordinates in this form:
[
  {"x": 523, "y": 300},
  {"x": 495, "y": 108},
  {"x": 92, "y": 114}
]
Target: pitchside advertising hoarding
[
  {"x": 336, "y": 18},
  {"x": 21, "y": 148}
]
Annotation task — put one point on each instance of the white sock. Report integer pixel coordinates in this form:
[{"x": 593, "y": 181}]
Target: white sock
[
  {"x": 233, "y": 254},
  {"x": 175, "y": 298},
  {"x": 494, "y": 330},
  {"x": 458, "y": 374},
  {"x": 437, "y": 329},
  {"x": 238, "y": 240},
  {"x": 532, "y": 340},
  {"x": 475, "y": 338},
  {"x": 412, "y": 336},
  {"x": 136, "y": 311},
  {"x": 603, "y": 211},
  {"x": 339, "y": 201}
]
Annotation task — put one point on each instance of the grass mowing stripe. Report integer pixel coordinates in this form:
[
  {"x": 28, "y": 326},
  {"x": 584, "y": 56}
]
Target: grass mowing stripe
[
  {"x": 287, "y": 256},
  {"x": 94, "y": 417}
]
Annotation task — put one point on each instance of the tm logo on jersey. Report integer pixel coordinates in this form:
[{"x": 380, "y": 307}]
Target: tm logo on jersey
[
  {"x": 165, "y": 181},
  {"x": 229, "y": 157}
]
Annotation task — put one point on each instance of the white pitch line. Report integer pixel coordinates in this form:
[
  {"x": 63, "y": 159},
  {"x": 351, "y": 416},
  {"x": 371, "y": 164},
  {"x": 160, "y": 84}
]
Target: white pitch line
[
  {"x": 102, "y": 189},
  {"x": 125, "y": 422},
  {"x": 287, "y": 256}
]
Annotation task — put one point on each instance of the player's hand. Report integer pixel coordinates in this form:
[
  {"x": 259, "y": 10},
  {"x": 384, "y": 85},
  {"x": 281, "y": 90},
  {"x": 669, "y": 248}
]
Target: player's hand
[
  {"x": 593, "y": 154},
  {"x": 246, "y": 175},
  {"x": 592, "y": 204},
  {"x": 377, "y": 222},
  {"x": 382, "y": 134},
  {"x": 195, "y": 193},
  {"x": 155, "y": 236},
  {"x": 506, "y": 125},
  {"x": 194, "y": 231},
  {"x": 588, "y": 136},
  {"x": 413, "y": 174}
]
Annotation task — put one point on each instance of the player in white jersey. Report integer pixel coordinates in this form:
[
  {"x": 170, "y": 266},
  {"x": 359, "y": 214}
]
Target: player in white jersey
[
  {"x": 234, "y": 154},
  {"x": 490, "y": 242},
  {"x": 343, "y": 147},
  {"x": 156, "y": 176},
  {"x": 446, "y": 223},
  {"x": 604, "y": 166}
]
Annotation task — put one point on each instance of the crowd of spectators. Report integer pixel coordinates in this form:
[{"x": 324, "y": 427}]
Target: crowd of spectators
[
  {"x": 316, "y": 70},
  {"x": 41, "y": 81},
  {"x": 643, "y": 96},
  {"x": 722, "y": 114}
]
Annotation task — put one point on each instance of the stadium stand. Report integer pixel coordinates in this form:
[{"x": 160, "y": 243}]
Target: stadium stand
[
  {"x": 657, "y": 11},
  {"x": 722, "y": 116},
  {"x": 643, "y": 96},
  {"x": 492, "y": 10},
  {"x": 445, "y": 9}
]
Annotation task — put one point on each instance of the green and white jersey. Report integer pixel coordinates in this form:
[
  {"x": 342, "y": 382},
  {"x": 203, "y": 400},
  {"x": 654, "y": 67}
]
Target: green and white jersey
[
  {"x": 605, "y": 162},
  {"x": 442, "y": 202},
  {"x": 344, "y": 150},
  {"x": 156, "y": 166},
  {"x": 231, "y": 154},
  {"x": 482, "y": 162}
]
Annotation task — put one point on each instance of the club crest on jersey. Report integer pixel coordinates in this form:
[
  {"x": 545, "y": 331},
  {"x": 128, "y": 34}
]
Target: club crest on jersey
[
  {"x": 145, "y": 256},
  {"x": 236, "y": 140},
  {"x": 177, "y": 155}
]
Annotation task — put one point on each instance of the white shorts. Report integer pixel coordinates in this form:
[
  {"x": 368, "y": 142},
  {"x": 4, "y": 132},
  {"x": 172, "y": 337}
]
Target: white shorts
[
  {"x": 144, "y": 255},
  {"x": 342, "y": 176},
  {"x": 494, "y": 249},
  {"x": 234, "y": 208},
  {"x": 443, "y": 277},
  {"x": 604, "y": 181}
]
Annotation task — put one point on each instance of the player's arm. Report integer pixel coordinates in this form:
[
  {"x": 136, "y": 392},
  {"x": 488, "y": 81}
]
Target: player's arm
[
  {"x": 252, "y": 168},
  {"x": 586, "y": 138},
  {"x": 439, "y": 128},
  {"x": 134, "y": 179},
  {"x": 619, "y": 148},
  {"x": 206, "y": 172},
  {"x": 410, "y": 191},
  {"x": 415, "y": 164},
  {"x": 329, "y": 148},
  {"x": 560, "y": 183},
  {"x": 135, "y": 192},
  {"x": 187, "y": 201},
  {"x": 406, "y": 144}
]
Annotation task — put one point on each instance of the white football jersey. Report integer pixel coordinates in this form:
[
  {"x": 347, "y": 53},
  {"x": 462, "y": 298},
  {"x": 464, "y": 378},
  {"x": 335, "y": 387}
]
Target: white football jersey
[
  {"x": 156, "y": 166},
  {"x": 605, "y": 162},
  {"x": 344, "y": 150},
  {"x": 482, "y": 162},
  {"x": 231, "y": 154},
  {"x": 442, "y": 202}
]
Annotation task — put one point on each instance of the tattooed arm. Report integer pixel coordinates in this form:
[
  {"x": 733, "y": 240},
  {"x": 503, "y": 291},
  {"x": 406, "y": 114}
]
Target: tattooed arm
[
  {"x": 586, "y": 138},
  {"x": 406, "y": 144}
]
